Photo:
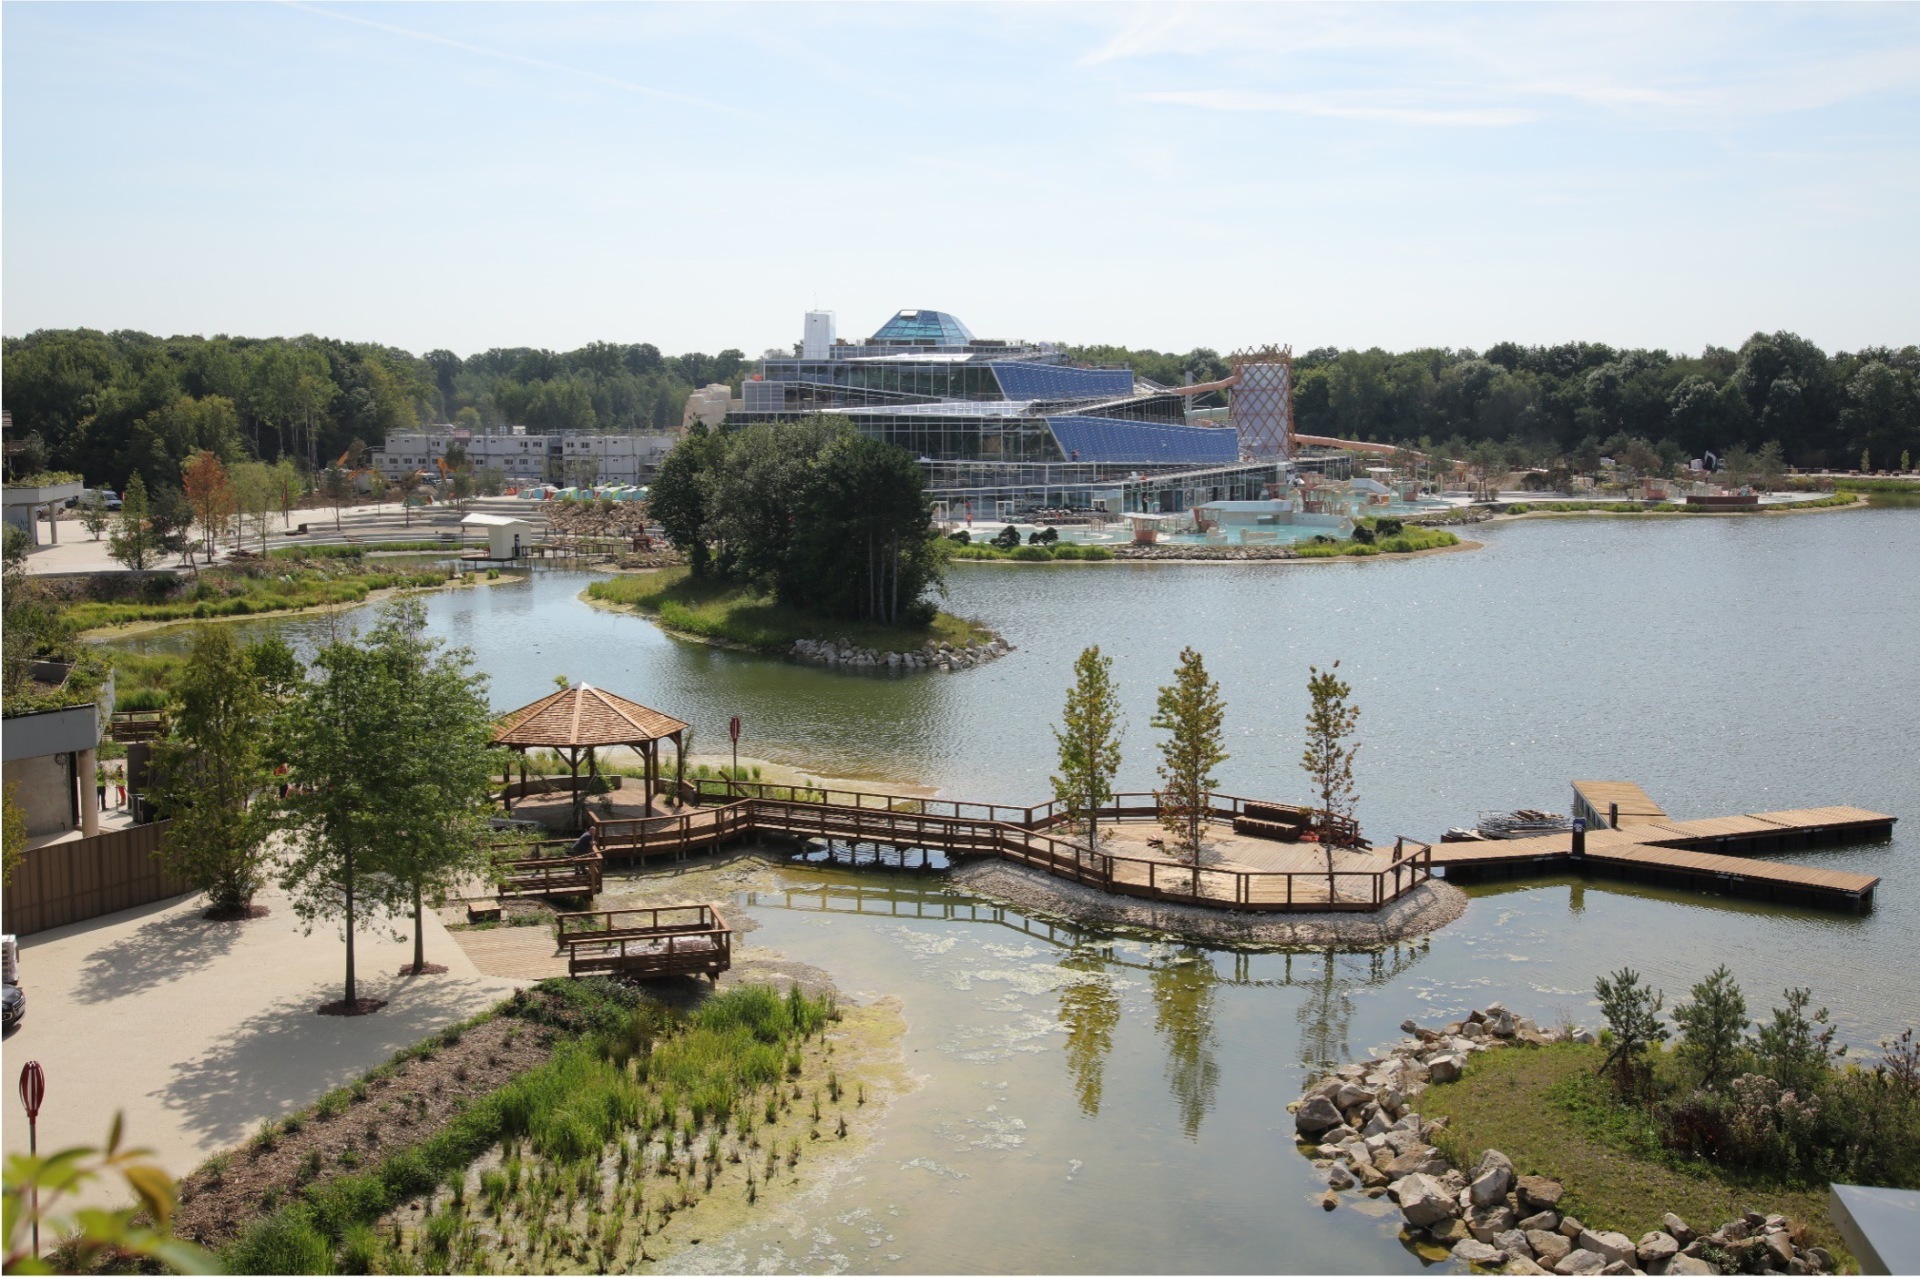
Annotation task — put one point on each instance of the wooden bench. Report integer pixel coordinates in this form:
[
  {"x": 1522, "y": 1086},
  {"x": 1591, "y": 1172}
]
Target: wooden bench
[
  {"x": 483, "y": 911},
  {"x": 647, "y": 943}
]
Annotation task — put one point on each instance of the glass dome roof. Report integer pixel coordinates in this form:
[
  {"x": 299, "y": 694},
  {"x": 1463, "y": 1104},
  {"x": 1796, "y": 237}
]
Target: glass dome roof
[{"x": 923, "y": 326}]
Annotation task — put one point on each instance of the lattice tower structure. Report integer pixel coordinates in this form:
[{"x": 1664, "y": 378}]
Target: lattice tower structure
[{"x": 1262, "y": 404}]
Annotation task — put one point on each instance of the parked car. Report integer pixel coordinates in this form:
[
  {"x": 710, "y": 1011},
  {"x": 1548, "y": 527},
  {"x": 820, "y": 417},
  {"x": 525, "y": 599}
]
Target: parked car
[{"x": 16, "y": 998}]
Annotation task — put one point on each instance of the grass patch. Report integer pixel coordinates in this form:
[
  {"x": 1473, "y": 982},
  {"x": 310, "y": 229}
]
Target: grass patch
[
  {"x": 1544, "y": 1108},
  {"x": 252, "y": 589},
  {"x": 980, "y": 551},
  {"x": 734, "y": 614}
]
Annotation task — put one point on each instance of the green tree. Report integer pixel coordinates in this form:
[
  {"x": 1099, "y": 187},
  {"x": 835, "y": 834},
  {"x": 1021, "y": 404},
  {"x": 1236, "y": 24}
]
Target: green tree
[
  {"x": 1712, "y": 1022},
  {"x": 213, "y": 772},
  {"x": 1191, "y": 712},
  {"x": 1089, "y": 741},
  {"x": 336, "y": 485},
  {"x": 132, "y": 543},
  {"x": 1633, "y": 1013},
  {"x": 409, "y": 484},
  {"x": 438, "y": 799},
  {"x": 1796, "y": 1049},
  {"x": 1769, "y": 464},
  {"x": 1328, "y": 758},
  {"x": 288, "y": 488},
  {"x": 94, "y": 515},
  {"x": 340, "y": 813},
  {"x": 863, "y": 546},
  {"x": 679, "y": 499}
]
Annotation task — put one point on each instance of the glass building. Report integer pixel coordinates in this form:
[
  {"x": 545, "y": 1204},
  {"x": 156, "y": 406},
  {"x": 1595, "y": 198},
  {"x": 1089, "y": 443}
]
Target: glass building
[{"x": 1001, "y": 420}]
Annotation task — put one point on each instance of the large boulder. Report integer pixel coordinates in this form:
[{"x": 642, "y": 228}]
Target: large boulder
[
  {"x": 1351, "y": 1096},
  {"x": 1677, "y": 1228},
  {"x": 1548, "y": 1247},
  {"x": 1579, "y": 1263},
  {"x": 1521, "y": 1264},
  {"x": 1545, "y": 1221},
  {"x": 1538, "y": 1193},
  {"x": 1488, "y": 1222},
  {"x": 1492, "y": 1178},
  {"x": 1689, "y": 1266},
  {"x": 1444, "y": 1067},
  {"x": 1656, "y": 1248},
  {"x": 1477, "y": 1252},
  {"x": 1610, "y": 1246},
  {"x": 1423, "y": 1200},
  {"x": 1420, "y": 1161},
  {"x": 1513, "y": 1241},
  {"x": 1316, "y": 1115},
  {"x": 1779, "y": 1247}
]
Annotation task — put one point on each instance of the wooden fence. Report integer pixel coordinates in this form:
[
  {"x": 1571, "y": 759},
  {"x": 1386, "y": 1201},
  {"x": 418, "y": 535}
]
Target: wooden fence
[{"x": 73, "y": 881}]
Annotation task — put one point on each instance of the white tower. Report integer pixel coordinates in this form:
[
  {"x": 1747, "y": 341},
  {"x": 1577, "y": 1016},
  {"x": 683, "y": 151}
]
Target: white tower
[{"x": 818, "y": 339}]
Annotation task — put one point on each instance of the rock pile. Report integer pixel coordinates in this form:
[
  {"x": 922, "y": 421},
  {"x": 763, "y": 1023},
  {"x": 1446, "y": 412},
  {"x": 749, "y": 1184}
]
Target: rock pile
[
  {"x": 1360, "y": 1127},
  {"x": 1222, "y": 552},
  {"x": 933, "y": 656}
]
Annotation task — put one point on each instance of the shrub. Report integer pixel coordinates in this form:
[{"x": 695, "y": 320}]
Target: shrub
[
  {"x": 1362, "y": 534},
  {"x": 1007, "y": 538},
  {"x": 284, "y": 1242},
  {"x": 962, "y": 537},
  {"x": 1388, "y": 527}
]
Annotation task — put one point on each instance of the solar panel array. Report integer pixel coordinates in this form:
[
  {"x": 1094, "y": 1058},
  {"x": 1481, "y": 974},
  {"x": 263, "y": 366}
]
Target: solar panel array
[
  {"x": 1142, "y": 442},
  {"x": 1048, "y": 381}
]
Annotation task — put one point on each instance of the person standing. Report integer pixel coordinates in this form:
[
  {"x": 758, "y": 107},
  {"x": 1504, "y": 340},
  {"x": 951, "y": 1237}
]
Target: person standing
[{"x": 100, "y": 786}]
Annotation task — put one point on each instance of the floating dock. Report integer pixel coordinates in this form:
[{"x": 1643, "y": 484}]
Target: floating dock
[{"x": 1707, "y": 855}]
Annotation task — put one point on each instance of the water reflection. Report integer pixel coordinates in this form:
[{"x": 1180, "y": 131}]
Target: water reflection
[
  {"x": 1183, "y": 987},
  {"x": 1090, "y": 1009},
  {"x": 1091, "y": 970}
]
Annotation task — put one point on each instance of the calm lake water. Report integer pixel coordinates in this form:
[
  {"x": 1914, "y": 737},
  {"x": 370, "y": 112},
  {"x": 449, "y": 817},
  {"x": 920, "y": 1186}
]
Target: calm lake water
[{"x": 1101, "y": 1104}]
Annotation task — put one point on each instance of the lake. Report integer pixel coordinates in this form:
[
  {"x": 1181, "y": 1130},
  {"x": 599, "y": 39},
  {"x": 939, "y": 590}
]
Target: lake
[{"x": 1100, "y": 1104}]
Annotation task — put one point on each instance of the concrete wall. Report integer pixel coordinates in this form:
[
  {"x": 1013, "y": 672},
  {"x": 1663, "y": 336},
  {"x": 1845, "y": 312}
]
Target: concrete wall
[{"x": 44, "y": 789}]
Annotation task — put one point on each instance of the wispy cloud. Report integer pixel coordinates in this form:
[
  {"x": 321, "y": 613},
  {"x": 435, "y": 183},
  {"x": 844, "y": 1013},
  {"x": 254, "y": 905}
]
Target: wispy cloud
[
  {"x": 503, "y": 55},
  {"x": 1304, "y": 104}
]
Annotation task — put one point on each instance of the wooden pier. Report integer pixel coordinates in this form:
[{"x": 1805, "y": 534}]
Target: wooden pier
[
  {"x": 1287, "y": 879},
  {"x": 1706, "y": 855},
  {"x": 647, "y": 943}
]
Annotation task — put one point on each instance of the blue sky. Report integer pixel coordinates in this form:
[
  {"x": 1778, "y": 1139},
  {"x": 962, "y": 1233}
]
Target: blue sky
[{"x": 697, "y": 176}]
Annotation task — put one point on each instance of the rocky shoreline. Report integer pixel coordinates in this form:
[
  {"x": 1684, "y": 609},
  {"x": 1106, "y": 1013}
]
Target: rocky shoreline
[
  {"x": 1359, "y": 1125},
  {"x": 944, "y": 657},
  {"x": 1426, "y": 908},
  {"x": 1261, "y": 553}
]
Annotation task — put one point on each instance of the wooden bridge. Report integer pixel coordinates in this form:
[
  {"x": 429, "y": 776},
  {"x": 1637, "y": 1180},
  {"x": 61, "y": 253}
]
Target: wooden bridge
[
  {"x": 1710, "y": 855},
  {"x": 647, "y": 943},
  {"x": 1359, "y": 882},
  {"x": 546, "y": 869}
]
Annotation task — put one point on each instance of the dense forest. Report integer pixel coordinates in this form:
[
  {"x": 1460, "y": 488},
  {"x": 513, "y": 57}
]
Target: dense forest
[
  {"x": 1541, "y": 404},
  {"x": 108, "y": 404}
]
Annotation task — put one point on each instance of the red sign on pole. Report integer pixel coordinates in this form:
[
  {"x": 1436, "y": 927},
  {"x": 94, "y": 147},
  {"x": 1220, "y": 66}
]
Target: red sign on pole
[
  {"x": 33, "y": 1088},
  {"x": 733, "y": 728}
]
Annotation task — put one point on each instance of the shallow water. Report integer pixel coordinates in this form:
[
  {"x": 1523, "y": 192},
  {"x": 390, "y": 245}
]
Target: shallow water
[{"x": 1099, "y": 1104}]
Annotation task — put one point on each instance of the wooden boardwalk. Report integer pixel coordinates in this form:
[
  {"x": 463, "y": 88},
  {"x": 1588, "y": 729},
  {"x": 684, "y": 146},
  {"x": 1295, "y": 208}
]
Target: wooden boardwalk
[
  {"x": 1711, "y": 855},
  {"x": 1361, "y": 881}
]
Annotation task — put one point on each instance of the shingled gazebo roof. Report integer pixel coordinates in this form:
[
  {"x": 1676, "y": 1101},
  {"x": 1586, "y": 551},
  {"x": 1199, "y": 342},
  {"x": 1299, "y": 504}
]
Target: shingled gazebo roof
[{"x": 582, "y": 716}]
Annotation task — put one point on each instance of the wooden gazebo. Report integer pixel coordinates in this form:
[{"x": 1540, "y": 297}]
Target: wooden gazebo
[{"x": 578, "y": 721}]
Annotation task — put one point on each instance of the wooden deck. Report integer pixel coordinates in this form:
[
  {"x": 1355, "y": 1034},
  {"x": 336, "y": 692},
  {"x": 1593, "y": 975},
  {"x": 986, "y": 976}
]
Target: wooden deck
[
  {"x": 1253, "y": 877},
  {"x": 1600, "y": 797},
  {"x": 1712, "y": 855}
]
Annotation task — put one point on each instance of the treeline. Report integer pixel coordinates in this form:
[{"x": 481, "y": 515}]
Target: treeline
[
  {"x": 108, "y": 404},
  {"x": 1541, "y": 404},
  {"x": 812, "y": 512}
]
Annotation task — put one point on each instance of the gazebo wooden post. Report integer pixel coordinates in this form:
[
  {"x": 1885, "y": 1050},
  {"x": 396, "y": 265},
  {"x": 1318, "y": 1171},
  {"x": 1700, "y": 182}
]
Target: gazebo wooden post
[
  {"x": 679, "y": 769},
  {"x": 646, "y": 773},
  {"x": 573, "y": 771}
]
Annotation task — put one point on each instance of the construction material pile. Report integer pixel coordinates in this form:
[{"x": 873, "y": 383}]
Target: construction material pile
[{"x": 1525, "y": 823}]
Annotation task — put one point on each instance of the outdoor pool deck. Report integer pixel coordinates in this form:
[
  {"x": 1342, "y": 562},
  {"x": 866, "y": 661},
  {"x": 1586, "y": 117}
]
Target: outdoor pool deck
[{"x": 1708, "y": 855}]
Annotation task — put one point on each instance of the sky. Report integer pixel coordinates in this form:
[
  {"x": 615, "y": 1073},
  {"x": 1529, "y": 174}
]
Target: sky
[{"x": 699, "y": 176}]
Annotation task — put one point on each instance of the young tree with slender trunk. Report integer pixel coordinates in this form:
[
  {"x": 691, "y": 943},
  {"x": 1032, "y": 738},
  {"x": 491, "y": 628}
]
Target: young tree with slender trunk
[
  {"x": 1328, "y": 758},
  {"x": 1713, "y": 1025},
  {"x": 214, "y": 771},
  {"x": 133, "y": 543},
  {"x": 94, "y": 516},
  {"x": 336, "y": 485},
  {"x": 1089, "y": 740},
  {"x": 438, "y": 798},
  {"x": 339, "y": 813},
  {"x": 288, "y": 488},
  {"x": 210, "y": 492},
  {"x": 1191, "y": 712}
]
